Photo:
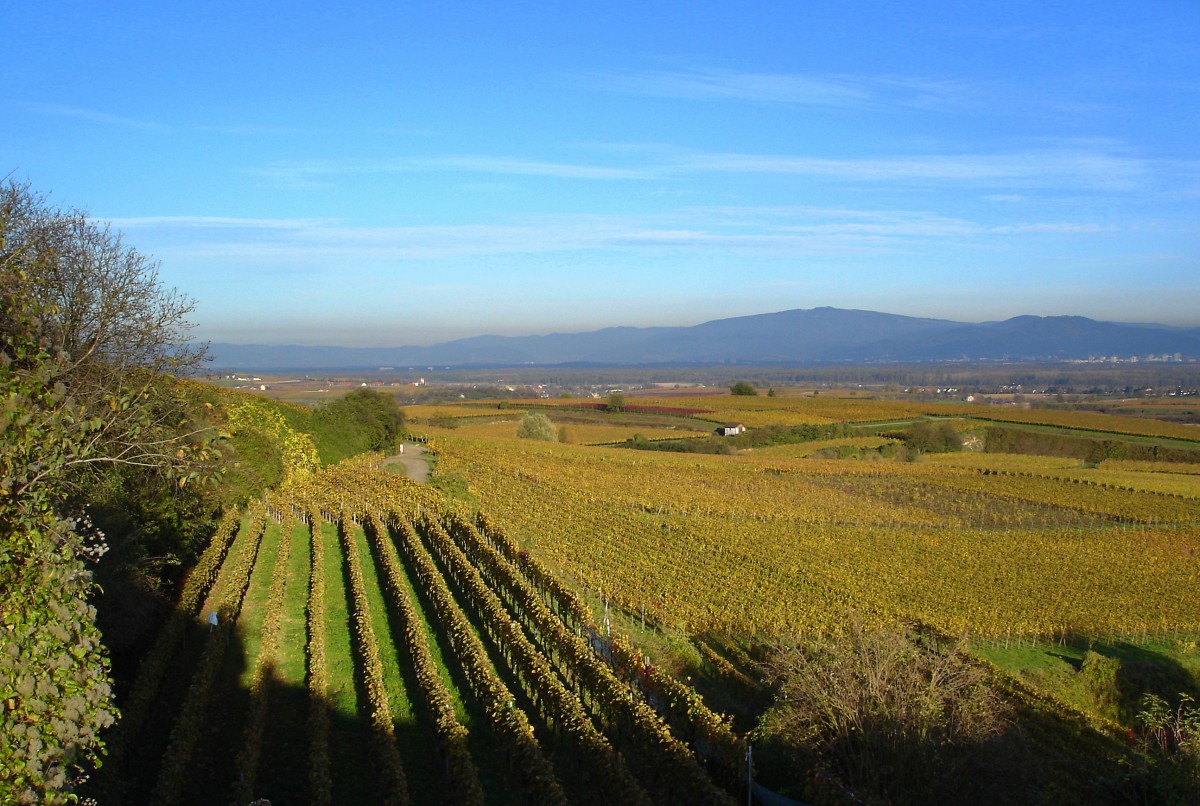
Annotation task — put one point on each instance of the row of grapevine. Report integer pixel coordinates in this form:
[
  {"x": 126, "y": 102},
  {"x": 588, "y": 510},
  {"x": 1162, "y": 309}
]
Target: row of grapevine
[
  {"x": 534, "y": 772},
  {"x": 452, "y": 736},
  {"x": 145, "y": 690},
  {"x": 320, "y": 780},
  {"x": 566, "y": 727},
  {"x": 177, "y": 760},
  {"x": 555, "y": 704},
  {"x": 680, "y": 704},
  {"x": 248, "y": 759},
  {"x": 564, "y": 602},
  {"x": 672, "y": 767},
  {"x": 796, "y": 571},
  {"x": 689, "y": 718},
  {"x": 394, "y": 782}
]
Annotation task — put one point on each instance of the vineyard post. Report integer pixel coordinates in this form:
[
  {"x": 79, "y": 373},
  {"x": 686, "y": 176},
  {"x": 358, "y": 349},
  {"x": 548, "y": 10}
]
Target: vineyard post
[{"x": 749, "y": 774}]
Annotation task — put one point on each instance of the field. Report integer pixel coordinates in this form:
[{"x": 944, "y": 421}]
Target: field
[{"x": 379, "y": 641}]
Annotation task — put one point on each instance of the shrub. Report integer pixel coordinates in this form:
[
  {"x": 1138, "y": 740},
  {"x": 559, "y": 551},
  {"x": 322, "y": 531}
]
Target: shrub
[
  {"x": 890, "y": 711},
  {"x": 535, "y": 425}
]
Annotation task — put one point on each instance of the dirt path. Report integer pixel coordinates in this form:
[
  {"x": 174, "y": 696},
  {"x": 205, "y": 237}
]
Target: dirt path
[{"x": 416, "y": 466}]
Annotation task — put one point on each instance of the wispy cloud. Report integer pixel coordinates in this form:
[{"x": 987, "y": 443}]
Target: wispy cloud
[
  {"x": 93, "y": 116},
  {"x": 215, "y": 223},
  {"x": 1073, "y": 166},
  {"x": 837, "y": 90},
  {"x": 1086, "y": 168},
  {"x": 1051, "y": 228},
  {"x": 250, "y": 130},
  {"x": 778, "y": 231},
  {"x": 322, "y": 171}
]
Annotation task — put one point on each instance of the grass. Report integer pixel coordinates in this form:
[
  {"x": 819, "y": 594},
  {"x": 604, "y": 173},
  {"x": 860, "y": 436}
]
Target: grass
[
  {"x": 348, "y": 745},
  {"x": 282, "y": 773},
  {"x": 414, "y": 736},
  {"x": 216, "y": 593},
  {"x": 250, "y": 620},
  {"x": 212, "y": 766},
  {"x": 1167, "y": 667}
]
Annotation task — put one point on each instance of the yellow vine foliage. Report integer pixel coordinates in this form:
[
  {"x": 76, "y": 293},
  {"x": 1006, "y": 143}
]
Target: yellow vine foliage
[
  {"x": 298, "y": 452},
  {"x": 781, "y": 545}
]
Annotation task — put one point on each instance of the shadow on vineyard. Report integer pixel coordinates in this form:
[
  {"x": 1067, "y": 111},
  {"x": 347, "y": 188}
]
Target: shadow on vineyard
[{"x": 211, "y": 770}]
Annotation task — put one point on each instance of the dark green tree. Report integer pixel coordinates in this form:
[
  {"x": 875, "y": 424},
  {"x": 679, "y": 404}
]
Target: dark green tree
[
  {"x": 364, "y": 420},
  {"x": 933, "y": 438},
  {"x": 742, "y": 388}
]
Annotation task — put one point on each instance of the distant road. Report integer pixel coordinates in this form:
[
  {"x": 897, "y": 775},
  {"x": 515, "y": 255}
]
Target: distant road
[{"x": 416, "y": 466}]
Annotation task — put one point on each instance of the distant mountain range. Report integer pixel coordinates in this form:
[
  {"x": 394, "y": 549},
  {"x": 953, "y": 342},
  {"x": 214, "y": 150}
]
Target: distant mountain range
[{"x": 818, "y": 335}]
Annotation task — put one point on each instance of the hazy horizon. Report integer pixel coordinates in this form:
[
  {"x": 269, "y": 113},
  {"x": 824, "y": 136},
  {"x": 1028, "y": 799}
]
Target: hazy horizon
[
  {"x": 534, "y": 331},
  {"x": 373, "y": 174}
]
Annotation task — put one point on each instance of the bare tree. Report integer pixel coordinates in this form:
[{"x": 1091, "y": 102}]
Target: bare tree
[
  {"x": 107, "y": 306},
  {"x": 112, "y": 326},
  {"x": 890, "y": 710}
]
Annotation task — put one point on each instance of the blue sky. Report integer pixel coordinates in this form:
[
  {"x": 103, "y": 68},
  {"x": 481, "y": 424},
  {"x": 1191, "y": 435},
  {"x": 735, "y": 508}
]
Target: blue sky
[{"x": 405, "y": 173}]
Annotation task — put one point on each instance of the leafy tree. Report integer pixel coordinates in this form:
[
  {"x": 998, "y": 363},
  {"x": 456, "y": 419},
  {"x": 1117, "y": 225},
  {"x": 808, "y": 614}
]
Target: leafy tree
[
  {"x": 114, "y": 333},
  {"x": 114, "y": 330},
  {"x": 931, "y": 438},
  {"x": 535, "y": 425},
  {"x": 104, "y": 309},
  {"x": 86, "y": 335},
  {"x": 616, "y": 402},
  {"x": 742, "y": 388},
  {"x": 55, "y": 694},
  {"x": 363, "y": 420}
]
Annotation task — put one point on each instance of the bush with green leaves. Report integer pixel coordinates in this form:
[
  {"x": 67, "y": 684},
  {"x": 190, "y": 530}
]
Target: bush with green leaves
[
  {"x": 536, "y": 425},
  {"x": 364, "y": 420},
  {"x": 933, "y": 438},
  {"x": 55, "y": 691}
]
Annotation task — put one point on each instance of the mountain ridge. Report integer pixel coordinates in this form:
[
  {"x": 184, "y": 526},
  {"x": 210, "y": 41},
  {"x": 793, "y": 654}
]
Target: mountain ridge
[{"x": 815, "y": 335}]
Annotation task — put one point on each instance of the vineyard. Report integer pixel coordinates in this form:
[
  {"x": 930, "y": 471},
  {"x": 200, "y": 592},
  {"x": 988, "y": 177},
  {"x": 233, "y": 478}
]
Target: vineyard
[
  {"x": 770, "y": 544},
  {"x": 352, "y": 639},
  {"x": 355, "y": 637}
]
